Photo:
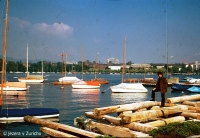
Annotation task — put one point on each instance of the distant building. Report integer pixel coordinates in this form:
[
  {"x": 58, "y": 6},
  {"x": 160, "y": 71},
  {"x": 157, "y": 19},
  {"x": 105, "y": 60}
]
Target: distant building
[
  {"x": 114, "y": 67},
  {"x": 112, "y": 61},
  {"x": 197, "y": 65}
]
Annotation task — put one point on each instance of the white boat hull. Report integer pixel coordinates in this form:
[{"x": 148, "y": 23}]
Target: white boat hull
[
  {"x": 75, "y": 86},
  {"x": 128, "y": 88},
  {"x": 31, "y": 81},
  {"x": 14, "y": 88},
  {"x": 21, "y": 119}
]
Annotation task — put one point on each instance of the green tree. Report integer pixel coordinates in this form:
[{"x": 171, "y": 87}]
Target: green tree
[
  {"x": 20, "y": 66},
  {"x": 11, "y": 66},
  {"x": 189, "y": 68},
  {"x": 175, "y": 69}
]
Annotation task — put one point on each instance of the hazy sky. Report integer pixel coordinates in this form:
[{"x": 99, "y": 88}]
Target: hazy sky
[{"x": 50, "y": 27}]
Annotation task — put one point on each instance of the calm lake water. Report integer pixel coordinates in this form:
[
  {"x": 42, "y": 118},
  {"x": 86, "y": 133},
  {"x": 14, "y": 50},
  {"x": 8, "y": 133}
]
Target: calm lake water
[{"x": 70, "y": 102}]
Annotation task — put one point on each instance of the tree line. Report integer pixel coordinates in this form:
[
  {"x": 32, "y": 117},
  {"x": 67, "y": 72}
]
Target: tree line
[{"x": 19, "y": 66}]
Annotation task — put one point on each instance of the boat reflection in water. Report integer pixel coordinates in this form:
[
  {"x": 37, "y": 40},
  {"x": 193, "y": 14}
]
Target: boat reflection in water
[
  {"x": 123, "y": 98},
  {"x": 11, "y": 101},
  {"x": 87, "y": 96}
]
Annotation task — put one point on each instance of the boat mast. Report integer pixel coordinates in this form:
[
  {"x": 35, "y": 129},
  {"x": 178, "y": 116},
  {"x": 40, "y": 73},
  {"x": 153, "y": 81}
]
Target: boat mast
[
  {"x": 27, "y": 61},
  {"x": 42, "y": 69},
  {"x": 82, "y": 60},
  {"x": 66, "y": 65},
  {"x": 4, "y": 52},
  {"x": 124, "y": 53}
]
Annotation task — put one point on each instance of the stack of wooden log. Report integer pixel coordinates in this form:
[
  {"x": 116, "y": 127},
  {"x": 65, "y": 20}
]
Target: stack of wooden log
[
  {"x": 128, "y": 120},
  {"x": 136, "y": 119}
]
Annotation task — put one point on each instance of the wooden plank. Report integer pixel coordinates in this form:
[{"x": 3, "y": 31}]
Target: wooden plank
[
  {"x": 163, "y": 122},
  {"x": 58, "y": 126},
  {"x": 125, "y": 107},
  {"x": 145, "y": 115},
  {"x": 183, "y": 98},
  {"x": 55, "y": 133}
]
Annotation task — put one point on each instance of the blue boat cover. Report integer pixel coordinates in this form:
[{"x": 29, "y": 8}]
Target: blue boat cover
[
  {"x": 28, "y": 111},
  {"x": 179, "y": 87},
  {"x": 194, "y": 89}
]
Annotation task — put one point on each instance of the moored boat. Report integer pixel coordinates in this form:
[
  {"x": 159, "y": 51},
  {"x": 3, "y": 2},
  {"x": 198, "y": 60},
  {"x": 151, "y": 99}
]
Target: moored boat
[
  {"x": 128, "y": 87},
  {"x": 31, "y": 78},
  {"x": 85, "y": 84},
  {"x": 17, "y": 115},
  {"x": 90, "y": 84},
  {"x": 179, "y": 87},
  {"x": 194, "y": 89},
  {"x": 8, "y": 114},
  {"x": 67, "y": 80}
]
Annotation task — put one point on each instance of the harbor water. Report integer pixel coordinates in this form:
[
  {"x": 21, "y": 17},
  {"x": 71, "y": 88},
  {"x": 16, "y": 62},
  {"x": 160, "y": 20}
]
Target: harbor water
[{"x": 70, "y": 102}]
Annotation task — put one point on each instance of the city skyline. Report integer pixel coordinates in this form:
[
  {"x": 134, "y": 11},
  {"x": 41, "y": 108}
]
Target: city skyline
[{"x": 49, "y": 28}]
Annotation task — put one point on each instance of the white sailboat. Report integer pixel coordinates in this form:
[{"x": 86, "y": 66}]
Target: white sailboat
[
  {"x": 31, "y": 78},
  {"x": 66, "y": 80},
  {"x": 87, "y": 84},
  {"x": 17, "y": 115},
  {"x": 127, "y": 87},
  {"x": 9, "y": 88}
]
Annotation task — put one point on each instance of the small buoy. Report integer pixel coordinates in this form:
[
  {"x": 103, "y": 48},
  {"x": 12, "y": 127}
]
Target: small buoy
[{"x": 61, "y": 87}]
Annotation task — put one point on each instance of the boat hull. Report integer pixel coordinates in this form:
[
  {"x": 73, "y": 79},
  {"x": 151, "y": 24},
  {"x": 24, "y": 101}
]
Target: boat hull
[
  {"x": 75, "y": 86},
  {"x": 31, "y": 80},
  {"x": 17, "y": 115},
  {"x": 86, "y": 85},
  {"x": 128, "y": 88}
]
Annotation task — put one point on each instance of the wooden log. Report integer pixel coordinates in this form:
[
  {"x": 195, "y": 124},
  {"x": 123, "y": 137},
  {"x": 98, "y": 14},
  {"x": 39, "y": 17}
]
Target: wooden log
[
  {"x": 183, "y": 98},
  {"x": 58, "y": 126},
  {"x": 140, "y": 127},
  {"x": 164, "y": 122},
  {"x": 55, "y": 133},
  {"x": 116, "y": 131},
  {"x": 145, "y": 115},
  {"x": 177, "y": 107},
  {"x": 190, "y": 115},
  {"x": 195, "y": 104},
  {"x": 125, "y": 107},
  {"x": 111, "y": 119}
]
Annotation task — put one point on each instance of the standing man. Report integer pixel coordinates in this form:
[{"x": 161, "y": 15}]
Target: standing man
[{"x": 161, "y": 85}]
